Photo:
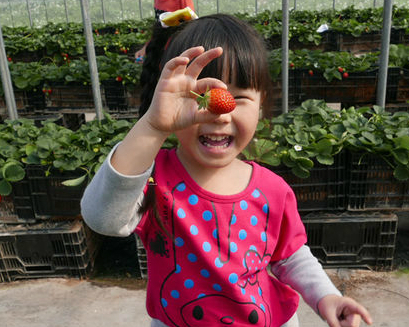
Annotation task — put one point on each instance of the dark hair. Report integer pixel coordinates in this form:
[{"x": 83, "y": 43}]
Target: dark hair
[{"x": 243, "y": 63}]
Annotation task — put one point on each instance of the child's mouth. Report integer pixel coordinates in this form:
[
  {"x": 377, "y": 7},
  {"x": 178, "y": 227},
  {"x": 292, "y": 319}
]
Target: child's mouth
[{"x": 216, "y": 141}]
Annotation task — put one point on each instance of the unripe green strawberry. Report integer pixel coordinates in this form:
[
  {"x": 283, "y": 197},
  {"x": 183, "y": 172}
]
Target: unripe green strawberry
[{"x": 217, "y": 101}]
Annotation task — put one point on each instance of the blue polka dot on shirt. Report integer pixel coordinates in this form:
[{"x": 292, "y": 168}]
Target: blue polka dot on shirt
[{"x": 193, "y": 199}]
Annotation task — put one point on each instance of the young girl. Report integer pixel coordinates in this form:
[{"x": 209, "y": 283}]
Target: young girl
[{"x": 223, "y": 236}]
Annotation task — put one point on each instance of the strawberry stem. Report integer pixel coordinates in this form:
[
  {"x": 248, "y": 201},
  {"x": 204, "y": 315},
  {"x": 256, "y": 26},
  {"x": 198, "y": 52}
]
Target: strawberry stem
[{"x": 198, "y": 95}]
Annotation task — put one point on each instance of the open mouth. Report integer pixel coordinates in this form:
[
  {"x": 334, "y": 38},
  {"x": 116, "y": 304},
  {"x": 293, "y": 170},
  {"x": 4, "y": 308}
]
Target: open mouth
[{"x": 216, "y": 141}]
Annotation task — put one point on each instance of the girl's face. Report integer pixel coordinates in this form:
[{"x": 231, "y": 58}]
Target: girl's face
[{"x": 217, "y": 144}]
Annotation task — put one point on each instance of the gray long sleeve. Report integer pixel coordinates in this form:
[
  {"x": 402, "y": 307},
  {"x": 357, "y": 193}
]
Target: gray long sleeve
[
  {"x": 111, "y": 200},
  {"x": 304, "y": 273}
]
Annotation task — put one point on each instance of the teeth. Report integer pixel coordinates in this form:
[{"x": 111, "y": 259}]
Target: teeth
[
  {"x": 216, "y": 138},
  {"x": 216, "y": 141},
  {"x": 216, "y": 146}
]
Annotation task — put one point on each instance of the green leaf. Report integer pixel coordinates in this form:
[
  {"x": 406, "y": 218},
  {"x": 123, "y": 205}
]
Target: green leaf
[
  {"x": 372, "y": 138},
  {"x": 5, "y": 187},
  {"x": 300, "y": 172},
  {"x": 400, "y": 155},
  {"x": 75, "y": 181},
  {"x": 402, "y": 142},
  {"x": 305, "y": 163},
  {"x": 270, "y": 159},
  {"x": 324, "y": 147},
  {"x": 13, "y": 172},
  {"x": 21, "y": 82},
  {"x": 325, "y": 160},
  {"x": 401, "y": 172}
]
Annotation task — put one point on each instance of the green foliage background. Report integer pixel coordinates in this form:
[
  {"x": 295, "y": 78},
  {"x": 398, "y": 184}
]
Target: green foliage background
[{"x": 15, "y": 12}]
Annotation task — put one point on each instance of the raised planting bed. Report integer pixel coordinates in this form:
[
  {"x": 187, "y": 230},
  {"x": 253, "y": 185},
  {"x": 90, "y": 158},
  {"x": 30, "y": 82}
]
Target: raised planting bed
[
  {"x": 358, "y": 88},
  {"x": 372, "y": 185},
  {"x": 352, "y": 240},
  {"x": 325, "y": 189},
  {"x": 50, "y": 197}
]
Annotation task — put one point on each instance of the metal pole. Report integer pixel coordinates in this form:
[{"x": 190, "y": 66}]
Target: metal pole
[
  {"x": 46, "y": 14},
  {"x": 29, "y": 14},
  {"x": 217, "y": 6},
  {"x": 103, "y": 11},
  {"x": 384, "y": 56},
  {"x": 11, "y": 14},
  {"x": 333, "y": 4},
  {"x": 295, "y": 4},
  {"x": 284, "y": 63},
  {"x": 197, "y": 7},
  {"x": 256, "y": 4},
  {"x": 122, "y": 9},
  {"x": 6, "y": 80},
  {"x": 96, "y": 91},
  {"x": 140, "y": 8},
  {"x": 66, "y": 10}
]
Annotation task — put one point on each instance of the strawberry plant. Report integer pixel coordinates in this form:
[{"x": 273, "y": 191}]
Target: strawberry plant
[{"x": 314, "y": 133}]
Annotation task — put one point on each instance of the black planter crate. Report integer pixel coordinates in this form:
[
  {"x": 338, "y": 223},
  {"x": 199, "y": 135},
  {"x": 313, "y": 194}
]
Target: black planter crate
[
  {"x": 358, "y": 88},
  {"x": 325, "y": 189},
  {"x": 50, "y": 197},
  {"x": 366, "y": 42},
  {"x": 372, "y": 185},
  {"x": 115, "y": 96},
  {"x": 35, "y": 100},
  {"x": 51, "y": 249},
  {"x": 18, "y": 206},
  {"x": 142, "y": 258},
  {"x": 352, "y": 240},
  {"x": 403, "y": 86},
  {"x": 71, "y": 96}
]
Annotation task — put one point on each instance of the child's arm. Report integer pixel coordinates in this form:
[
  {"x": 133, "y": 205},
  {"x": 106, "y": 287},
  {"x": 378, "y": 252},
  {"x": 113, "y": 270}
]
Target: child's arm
[
  {"x": 303, "y": 272},
  {"x": 173, "y": 108},
  {"x": 111, "y": 201}
]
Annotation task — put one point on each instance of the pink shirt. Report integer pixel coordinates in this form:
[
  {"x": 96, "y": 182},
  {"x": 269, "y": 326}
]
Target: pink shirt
[{"x": 212, "y": 271}]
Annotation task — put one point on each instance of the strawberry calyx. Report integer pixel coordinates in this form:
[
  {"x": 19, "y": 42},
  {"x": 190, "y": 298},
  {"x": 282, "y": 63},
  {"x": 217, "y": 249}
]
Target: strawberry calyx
[{"x": 202, "y": 100}]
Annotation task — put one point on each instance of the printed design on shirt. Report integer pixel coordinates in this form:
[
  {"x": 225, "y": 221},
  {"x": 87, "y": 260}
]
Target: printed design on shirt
[
  {"x": 158, "y": 245},
  {"x": 206, "y": 247},
  {"x": 254, "y": 263}
]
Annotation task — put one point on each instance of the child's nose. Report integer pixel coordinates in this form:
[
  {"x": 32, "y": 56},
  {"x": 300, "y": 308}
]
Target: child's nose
[{"x": 223, "y": 119}]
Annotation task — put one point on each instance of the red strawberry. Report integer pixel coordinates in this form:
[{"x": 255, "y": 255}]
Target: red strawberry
[
  {"x": 340, "y": 69},
  {"x": 9, "y": 59},
  {"x": 217, "y": 101},
  {"x": 119, "y": 79},
  {"x": 311, "y": 72},
  {"x": 345, "y": 75}
]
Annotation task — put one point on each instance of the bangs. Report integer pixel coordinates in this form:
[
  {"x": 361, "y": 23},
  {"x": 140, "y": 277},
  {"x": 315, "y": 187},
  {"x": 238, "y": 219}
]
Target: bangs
[{"x": 243, "y": 62}]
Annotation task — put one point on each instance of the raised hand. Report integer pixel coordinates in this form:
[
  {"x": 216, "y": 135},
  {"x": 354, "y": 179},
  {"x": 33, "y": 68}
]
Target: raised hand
[{"x": 173, "y": 106}]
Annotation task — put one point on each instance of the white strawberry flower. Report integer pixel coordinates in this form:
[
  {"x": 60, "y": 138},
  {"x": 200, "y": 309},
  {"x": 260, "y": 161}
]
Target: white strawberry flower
[{"x": 297, "y": 147}]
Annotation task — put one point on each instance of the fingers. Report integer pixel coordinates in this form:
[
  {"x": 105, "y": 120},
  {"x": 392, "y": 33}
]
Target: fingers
[
  {"x": 178, "y": 64},
  {"x": 201, "y": 58},
  {"x": 208, "y": 83},
  {"x": 357, "y": 309},
  {"x": 343, "y": 311},
  {"x": 201, "y": 61}
]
